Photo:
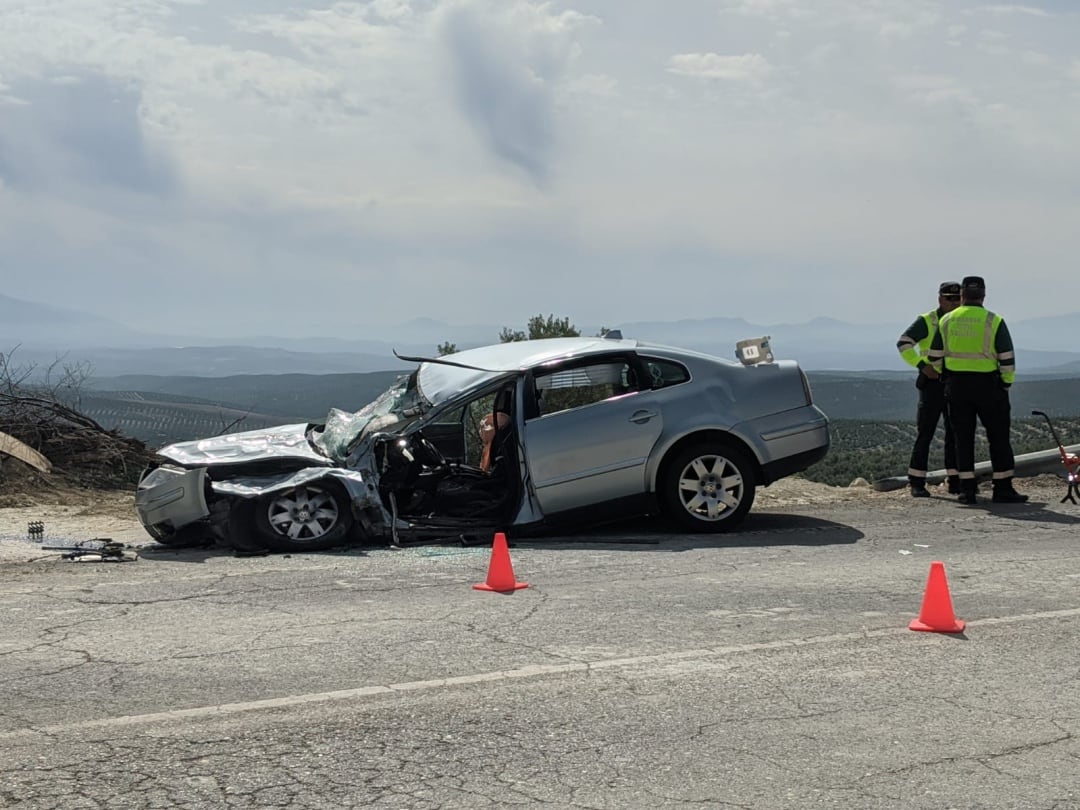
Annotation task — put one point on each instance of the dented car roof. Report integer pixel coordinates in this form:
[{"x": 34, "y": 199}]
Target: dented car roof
[{"x": 438, "y": 382}]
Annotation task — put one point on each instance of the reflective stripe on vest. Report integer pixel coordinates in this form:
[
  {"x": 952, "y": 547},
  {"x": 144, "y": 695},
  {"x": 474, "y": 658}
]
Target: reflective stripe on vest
[
  {"x": 931, "y": 320},
  {"x": 986, "y": 358}
]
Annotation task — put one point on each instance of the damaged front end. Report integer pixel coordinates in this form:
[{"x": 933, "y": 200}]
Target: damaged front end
[
  {"x": 271, "y": 488},
  {"x": 360, "y": 476},
  {"x": 300, "y": 509}
]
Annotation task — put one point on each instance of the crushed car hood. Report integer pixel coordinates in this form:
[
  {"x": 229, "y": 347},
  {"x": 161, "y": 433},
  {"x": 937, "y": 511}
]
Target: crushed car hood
[{"x": 285, "y": 441}]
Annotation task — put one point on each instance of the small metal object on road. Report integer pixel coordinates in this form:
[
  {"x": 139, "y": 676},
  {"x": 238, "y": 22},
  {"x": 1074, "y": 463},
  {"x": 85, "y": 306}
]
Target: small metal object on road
[
  {"x": 99, "y": 549},
  {"x": 35, "y": 529}
]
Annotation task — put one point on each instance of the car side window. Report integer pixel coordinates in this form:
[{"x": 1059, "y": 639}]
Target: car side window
[
  {"x": 567, "y": 388},
  {"x": 466, "y": 423},
  {"x": 457, "y": 433},
  {"x": 665, "y": 373}
]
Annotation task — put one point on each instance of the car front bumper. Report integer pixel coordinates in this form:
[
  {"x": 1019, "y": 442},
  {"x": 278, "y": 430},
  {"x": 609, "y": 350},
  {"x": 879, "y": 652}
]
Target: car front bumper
[{"x": 169, "y": 498}]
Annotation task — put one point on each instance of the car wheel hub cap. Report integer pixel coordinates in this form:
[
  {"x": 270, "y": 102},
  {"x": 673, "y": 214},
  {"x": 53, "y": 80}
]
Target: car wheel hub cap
[
  {"x": 304, "y": 514},
  {"x": 711, "y": 488}
]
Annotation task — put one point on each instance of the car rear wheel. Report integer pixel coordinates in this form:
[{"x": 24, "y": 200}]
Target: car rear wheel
[
  {"x": 309, "y": 517},
  {"x": 709, "y": 487}
]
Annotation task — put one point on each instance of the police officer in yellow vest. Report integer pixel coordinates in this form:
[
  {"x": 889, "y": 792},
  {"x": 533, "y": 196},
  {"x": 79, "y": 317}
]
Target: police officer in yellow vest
[
  {"x": 913, "y": 346},
  {"x": 974, "y": 352}
]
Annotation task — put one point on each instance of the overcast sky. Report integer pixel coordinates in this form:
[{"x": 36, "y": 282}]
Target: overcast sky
[{"x": 317, "y": 168}]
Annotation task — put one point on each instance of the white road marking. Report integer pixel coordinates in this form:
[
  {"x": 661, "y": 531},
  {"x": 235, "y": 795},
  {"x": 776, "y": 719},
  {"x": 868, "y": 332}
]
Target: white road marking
[{"x": 531, "y": 671}]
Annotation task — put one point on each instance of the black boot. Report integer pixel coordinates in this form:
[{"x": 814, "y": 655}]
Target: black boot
[
  {"x": 918, "y": 488},
  {"x": 954, "y": 485},
  {"x": 967, "y": 492},
  {"x": 1004, "y": 492}
]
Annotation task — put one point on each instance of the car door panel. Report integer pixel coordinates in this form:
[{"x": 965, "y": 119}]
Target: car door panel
[{"x": 593, "y": 453}]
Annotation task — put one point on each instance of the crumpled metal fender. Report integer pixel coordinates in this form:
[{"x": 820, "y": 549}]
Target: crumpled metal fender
[{"x": 359, "y": 485}]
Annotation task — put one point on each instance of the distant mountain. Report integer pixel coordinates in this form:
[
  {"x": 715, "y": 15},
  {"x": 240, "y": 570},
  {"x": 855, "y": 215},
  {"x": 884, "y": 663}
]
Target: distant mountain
[
  {"x": 43, "y": 326},
  {"x": 42, "y": 332},
  {"x": 215, "y": 361},
  {"x": 826, "y": 344},
  {"x": 289, "y": 397}
]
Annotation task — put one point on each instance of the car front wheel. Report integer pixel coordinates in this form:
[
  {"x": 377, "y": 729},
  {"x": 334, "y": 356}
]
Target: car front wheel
[
  {"x": 709, "y": 487},
  {"x": 309, "y": 517}
]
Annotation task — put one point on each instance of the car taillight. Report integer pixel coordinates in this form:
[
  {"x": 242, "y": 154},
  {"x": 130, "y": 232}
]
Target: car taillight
[{"x": 806, "y": 387}]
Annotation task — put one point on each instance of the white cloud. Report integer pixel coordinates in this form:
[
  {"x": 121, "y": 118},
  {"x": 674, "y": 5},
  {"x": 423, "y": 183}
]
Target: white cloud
[
  {"x": 594, "y": 84},
  {"x": 772, "y": 9},
  {"x": 910, "y": 22},
  {"x": 507, "y": 61},
  {"x": 1009, "y": 9},
  {"x": 1035, "y": 58},
  {"x": 934, "y": 90},
  {"x": 399, "y": 153},
  {"x": 747, "y": 67}
]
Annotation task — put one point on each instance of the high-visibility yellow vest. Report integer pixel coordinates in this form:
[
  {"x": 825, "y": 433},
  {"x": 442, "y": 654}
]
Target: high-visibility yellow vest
[
  {"x": 967, "y": 337},
  {"x": 914, "y": 352}
]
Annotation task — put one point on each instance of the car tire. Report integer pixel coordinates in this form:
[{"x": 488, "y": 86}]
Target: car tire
[
  {"x": 310, "y": 517},
  {"x": 708, "y": 487}
]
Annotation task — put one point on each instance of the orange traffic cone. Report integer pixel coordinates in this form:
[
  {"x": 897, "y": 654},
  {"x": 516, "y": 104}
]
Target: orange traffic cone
[
  {"x": 937, "y": 614},
  {"x": 500, "y": 570}
]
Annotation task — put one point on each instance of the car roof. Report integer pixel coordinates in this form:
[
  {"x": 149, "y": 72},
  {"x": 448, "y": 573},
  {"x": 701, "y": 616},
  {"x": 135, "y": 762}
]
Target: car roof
[
  {"x": 521, "y": 354},
  {"x": 439, "y": 382}
]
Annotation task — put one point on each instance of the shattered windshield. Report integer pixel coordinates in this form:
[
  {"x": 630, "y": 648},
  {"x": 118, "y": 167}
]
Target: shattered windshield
[{"x": 343, "y": 429}]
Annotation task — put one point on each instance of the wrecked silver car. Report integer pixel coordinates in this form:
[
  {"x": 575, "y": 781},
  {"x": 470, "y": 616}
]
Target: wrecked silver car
[{"x": 512, "y": 437}]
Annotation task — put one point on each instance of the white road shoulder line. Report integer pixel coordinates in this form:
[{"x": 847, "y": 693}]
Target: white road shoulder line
[{"x": 530, "y": 671}]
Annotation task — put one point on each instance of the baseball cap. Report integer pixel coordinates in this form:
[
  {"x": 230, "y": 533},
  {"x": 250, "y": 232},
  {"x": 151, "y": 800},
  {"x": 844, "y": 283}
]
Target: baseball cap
[
  {"x": 949, "y": 288},
  {"x": 974, "y": 284}
]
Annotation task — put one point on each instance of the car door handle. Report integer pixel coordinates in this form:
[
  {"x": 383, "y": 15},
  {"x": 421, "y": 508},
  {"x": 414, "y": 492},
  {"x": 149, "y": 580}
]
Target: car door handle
[{"x": 641, "y": 417}]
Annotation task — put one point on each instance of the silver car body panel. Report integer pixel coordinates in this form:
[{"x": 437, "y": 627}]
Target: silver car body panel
[
  {"x": 172, "y": 497},
  {"x": 593, "y": 453},
  {"x": 786, "y": 434},
  {"x": 284, "y": 442},
  {"x": 254, "y": 486}
]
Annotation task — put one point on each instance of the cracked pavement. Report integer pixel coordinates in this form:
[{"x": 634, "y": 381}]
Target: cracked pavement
[{"x": 767, "y": 669}]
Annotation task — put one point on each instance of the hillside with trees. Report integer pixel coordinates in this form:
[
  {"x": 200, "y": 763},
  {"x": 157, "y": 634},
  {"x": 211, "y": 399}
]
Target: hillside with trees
[
  {"x": 881, "y": 449},
  {"x": 872, "y": 413}
]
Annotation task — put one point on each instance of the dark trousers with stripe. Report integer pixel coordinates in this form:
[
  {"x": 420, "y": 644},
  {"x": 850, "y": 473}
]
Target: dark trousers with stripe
[
  {"x": 932, "y": 406},
  {"x": 980, "y": 397}
]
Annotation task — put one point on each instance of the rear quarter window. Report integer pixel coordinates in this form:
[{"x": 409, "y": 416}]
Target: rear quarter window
[{"x": 665, "y": 373}]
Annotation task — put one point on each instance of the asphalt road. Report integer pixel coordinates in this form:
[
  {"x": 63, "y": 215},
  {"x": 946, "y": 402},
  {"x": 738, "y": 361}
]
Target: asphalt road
[{"x": 773, "y": 668}]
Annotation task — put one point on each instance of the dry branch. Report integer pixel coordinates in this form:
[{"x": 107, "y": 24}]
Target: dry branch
[{"x": 44, "y": 415}]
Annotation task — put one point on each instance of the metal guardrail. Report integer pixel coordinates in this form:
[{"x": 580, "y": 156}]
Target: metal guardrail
[{"x": 1027, "y": 465}]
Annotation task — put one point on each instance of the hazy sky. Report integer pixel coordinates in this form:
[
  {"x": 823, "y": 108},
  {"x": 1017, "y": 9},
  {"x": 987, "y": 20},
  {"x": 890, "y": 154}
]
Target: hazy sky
[{"x": 309, "y": 168}]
